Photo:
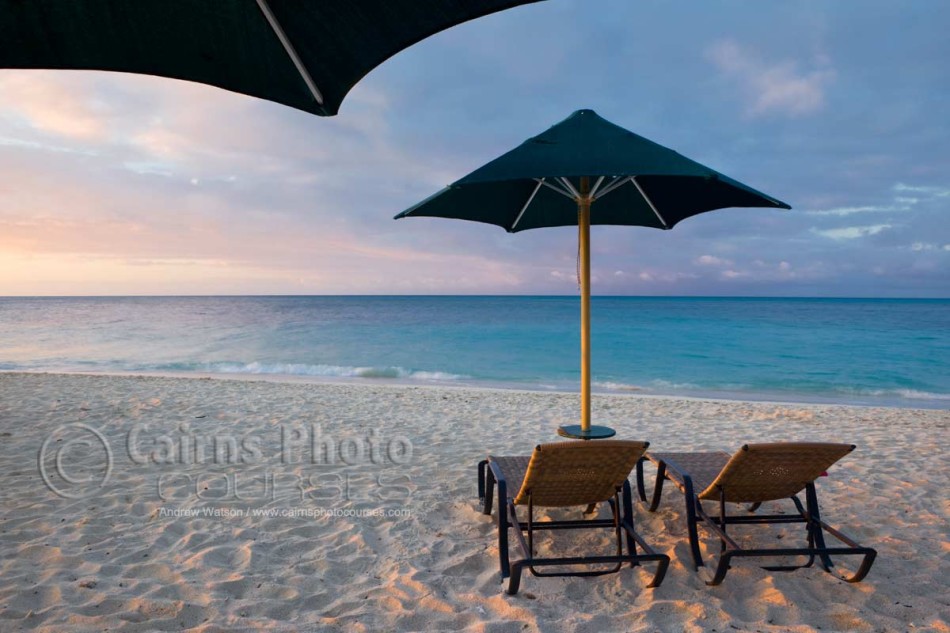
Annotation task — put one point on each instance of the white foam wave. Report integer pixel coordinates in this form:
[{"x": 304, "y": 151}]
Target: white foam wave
[
  {"x": 335, "y": 371},
  {"x": 616, "y": 386},
  {"x": 912, "y": 394},
  {"x": 677, "y": 386}
]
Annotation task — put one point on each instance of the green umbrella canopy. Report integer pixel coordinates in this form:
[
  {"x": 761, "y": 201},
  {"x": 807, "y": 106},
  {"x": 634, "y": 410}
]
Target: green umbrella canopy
[
  {"x": 586, "y": 170},
  {"x": 633, "y": 181},
  {"x": 306, "y": 54}
]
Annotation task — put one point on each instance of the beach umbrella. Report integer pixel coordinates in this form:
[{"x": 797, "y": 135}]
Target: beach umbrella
[
  {"x": 306, "y": 54},
  {"x": 586, "y": 170}
]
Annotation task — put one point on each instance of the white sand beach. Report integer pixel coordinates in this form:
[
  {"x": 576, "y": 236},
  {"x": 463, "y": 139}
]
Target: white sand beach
[{"x": 216, "y": 515}]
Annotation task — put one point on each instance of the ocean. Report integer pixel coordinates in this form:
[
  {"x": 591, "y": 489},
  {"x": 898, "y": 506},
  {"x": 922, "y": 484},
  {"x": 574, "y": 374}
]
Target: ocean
[{"x": 891, "y": 352}]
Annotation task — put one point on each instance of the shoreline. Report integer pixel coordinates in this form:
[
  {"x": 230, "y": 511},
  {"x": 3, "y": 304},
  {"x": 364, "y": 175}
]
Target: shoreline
[
  {"x": 264, "y": 538},
  {"x": 930, "y": 404}
]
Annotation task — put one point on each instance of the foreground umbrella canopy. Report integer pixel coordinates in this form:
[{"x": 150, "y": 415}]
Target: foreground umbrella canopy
[
  {"x": 306, "y": 54},
  {"x": 582, "y": 171}
]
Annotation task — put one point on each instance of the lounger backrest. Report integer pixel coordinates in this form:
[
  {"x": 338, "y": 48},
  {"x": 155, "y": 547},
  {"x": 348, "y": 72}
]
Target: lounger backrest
[
  {"x": 579, "y": 472},
  {"x": 765, "y": 472}
]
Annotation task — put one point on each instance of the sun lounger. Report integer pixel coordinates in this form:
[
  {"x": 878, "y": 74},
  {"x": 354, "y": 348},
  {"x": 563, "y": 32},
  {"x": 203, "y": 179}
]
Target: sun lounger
[
  {"x": 755, "y": 474},
  {"x": 566, "y": 474}
]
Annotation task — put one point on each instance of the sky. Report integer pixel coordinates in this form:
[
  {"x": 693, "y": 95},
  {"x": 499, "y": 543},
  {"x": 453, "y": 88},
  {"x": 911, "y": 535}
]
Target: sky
[{"x": 116, "y": 184}]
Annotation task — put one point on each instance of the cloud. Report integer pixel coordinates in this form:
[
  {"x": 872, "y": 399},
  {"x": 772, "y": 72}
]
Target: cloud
[
  {"x": 844, "y": 211},
  {"x": 777, "y": 88},
  {"x": 560, "y": 276},
  {"x": 665, "y": 277},
  {"x": 58, "y": 105},
  {"x": 710, "y": 260},
  {"x": 899, "y": 202},
  {"x": 936, "y": 192},
  {"x": 852, "y": 232},
  {"x": 926, "y": 246}
]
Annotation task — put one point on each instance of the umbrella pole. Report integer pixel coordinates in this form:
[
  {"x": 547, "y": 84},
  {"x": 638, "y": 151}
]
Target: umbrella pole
[
  {"x": 583, "y": 223},
  {"x": 584, "y": 431}
]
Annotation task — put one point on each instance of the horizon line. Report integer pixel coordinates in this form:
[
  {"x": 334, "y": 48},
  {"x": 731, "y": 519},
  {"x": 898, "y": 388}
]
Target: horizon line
[{"x": 472, "y": 295}]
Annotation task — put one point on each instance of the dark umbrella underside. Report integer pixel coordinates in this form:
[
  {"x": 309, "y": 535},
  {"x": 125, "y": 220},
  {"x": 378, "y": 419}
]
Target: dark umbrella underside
[
  {"x": 625, "y": 205},
  {"x": 634, "y": 181},
  {"x": 246, "y": 46}
]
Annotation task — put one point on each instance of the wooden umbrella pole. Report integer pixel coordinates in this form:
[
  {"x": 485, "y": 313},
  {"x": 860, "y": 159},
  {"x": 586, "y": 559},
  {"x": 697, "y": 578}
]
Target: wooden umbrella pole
[{"x": 583, "y": 223}]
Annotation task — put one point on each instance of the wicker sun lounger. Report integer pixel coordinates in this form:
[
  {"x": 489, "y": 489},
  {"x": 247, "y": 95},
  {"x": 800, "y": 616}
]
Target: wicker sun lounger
[
  {"x": 755, "y": 474},
  {"x": 565, "y": 474}
]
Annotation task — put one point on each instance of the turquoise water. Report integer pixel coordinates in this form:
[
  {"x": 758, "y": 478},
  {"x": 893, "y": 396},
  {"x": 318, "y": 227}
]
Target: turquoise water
[{"x": 893, "y": 352}]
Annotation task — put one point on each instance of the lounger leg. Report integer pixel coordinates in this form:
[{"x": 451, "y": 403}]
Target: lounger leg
[
  {"x": 527, "y": 548},
  {"x": 691, "y": 503},
  {"x": 660, "y": 574},
  {"x": 489, "y": 492},
  {"x": 503, "y": 530},
  {"x": 814, "y": 525},
  {"x": 721, "y": 569},
  {"x": 809, "y": 531},
  {"x": 482, "y": 475},
  {"x": 658, "y": 488},
  {"x": 662, "y": 560},
  {"x": 722, "y": 519},
  {"x": 866, "y": 562},
  {"x": 641, "y": 488},
  {"x": 628, "y": 517},
  {"x": 514, "y": 581},
  {"x": 618, "y": 522},
  {"x": 482, "y": 467}
]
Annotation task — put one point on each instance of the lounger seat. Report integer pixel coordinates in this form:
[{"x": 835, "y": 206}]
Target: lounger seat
[
  {"x": 755, "y": 474},
  {"x": 566, "y": 474}
]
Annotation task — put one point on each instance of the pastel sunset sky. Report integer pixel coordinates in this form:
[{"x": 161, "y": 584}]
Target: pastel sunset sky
[{"x": 115, "y": 184}]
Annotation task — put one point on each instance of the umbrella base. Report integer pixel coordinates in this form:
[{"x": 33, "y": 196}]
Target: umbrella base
[{"x": 574, "y": 432}]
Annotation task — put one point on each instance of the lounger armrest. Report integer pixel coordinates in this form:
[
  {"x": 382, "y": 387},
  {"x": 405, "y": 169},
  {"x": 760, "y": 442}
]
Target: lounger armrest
[
  {"x": 502, "y": 484},
  {"x": 641, "y": 486}
]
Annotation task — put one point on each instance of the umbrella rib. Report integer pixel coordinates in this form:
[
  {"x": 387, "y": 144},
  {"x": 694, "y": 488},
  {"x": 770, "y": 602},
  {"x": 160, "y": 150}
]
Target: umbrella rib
[
  {"x": 291, "y": 52},
  {"x": 613, "y": 184},
  {"x": 561, "y": 191},
  {"x": 526, "y": 204},
  {"x": 643, "y": 193},
  {"x": 570, "y": 187},
  {"x": 596, "y": 186}
]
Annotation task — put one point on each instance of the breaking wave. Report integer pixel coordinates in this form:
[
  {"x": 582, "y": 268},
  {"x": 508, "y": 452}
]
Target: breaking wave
[{"x": 334, "y": 371}]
